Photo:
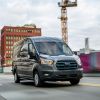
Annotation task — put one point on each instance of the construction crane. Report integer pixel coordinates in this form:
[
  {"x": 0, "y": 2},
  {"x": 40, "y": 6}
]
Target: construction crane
[{"x": 64, "y": 4}]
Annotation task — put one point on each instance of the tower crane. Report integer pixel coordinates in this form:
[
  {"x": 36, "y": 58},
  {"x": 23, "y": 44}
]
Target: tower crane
[{"x": 64, "y": 4}]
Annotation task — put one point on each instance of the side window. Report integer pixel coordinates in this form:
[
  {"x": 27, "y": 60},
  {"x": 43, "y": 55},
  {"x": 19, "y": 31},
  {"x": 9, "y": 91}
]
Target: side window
[
  {"x": 16, "y": 49},
  {"x": 25, "y": 46},
  {"x": 66, "y": 49}
]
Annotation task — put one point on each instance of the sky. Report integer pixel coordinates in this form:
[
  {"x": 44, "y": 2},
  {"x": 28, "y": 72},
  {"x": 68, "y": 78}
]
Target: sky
[{"x": 83, "y": 20}]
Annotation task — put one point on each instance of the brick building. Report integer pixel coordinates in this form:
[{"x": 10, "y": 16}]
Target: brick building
[{"x": 10, "y": 35}]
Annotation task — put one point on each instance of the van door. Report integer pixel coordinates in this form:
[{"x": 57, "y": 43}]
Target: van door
[
  {"x": 24, "y": 58},
  {"x": 27, "y": 61},
  {"x": 32, "y": 59}
]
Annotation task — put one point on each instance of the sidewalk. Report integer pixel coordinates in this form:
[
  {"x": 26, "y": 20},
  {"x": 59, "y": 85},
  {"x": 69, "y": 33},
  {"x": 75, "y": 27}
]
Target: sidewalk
[
  {"x": 91, "y": 75},
  {"x": 6, "y": 76},
  {"x": 6, "y": 70}
]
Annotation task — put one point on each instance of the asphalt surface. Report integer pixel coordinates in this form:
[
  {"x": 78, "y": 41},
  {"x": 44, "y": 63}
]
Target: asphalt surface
[{"x": 88, "y": 89}]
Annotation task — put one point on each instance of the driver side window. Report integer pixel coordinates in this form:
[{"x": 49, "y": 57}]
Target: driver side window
[{"x": 24, "y": 47}]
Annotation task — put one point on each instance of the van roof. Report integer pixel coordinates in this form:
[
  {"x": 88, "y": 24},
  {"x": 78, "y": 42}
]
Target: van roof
[{"x": 43, "y": 38}]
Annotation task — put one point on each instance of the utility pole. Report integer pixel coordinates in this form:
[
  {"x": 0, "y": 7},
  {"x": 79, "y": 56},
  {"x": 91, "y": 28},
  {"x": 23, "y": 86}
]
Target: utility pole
[{"x": 64, "y": 4}]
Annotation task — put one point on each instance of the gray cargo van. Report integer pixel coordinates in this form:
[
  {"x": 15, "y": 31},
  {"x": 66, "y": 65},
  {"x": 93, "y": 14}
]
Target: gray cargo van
[{"x": 45, "y": 59}]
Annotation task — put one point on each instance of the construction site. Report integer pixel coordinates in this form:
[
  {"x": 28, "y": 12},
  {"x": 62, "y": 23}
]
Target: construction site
[
  {"x": 49, "y": 50},
  {"x": 12, "y": 34}
]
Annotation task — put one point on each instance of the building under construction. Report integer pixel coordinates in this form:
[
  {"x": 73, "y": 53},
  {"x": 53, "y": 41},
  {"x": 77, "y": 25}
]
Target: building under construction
[{"x": 10, "y": 35}]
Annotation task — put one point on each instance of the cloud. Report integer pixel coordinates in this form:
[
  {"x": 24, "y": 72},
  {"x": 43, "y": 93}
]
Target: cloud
[
  {"x": 83, "y": 21},
  {"x": 20, "y": 12}
]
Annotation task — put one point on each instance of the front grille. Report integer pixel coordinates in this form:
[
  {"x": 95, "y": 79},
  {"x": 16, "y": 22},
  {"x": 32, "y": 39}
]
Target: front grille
[{"x": 66, "y": 64}]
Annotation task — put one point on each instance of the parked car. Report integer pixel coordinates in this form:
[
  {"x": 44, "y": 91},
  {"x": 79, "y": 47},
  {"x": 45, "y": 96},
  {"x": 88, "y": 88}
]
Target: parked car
[{"x": 45, "y": 59}]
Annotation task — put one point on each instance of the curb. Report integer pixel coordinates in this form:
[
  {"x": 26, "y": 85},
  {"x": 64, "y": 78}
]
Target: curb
[
  {"x": 6, "y": 73},
  {"x": 91, "y": 75}
]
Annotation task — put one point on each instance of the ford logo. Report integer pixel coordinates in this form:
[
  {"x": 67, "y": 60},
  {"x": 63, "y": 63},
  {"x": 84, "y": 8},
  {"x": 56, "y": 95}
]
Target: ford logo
[{"x": 67, "y": 63}]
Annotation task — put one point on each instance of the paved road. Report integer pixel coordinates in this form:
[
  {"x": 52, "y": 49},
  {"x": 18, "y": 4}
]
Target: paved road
[{"x": 88, "y": 89}]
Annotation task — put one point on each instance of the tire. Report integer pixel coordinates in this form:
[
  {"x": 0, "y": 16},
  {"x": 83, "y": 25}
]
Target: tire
[
  {"x": 74, "y": 81},
  {"x": 16, "y": 78},
  {"x": 37, "y": 80}
]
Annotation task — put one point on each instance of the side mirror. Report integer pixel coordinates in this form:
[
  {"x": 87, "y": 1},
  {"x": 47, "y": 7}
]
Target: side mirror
[
  {"x": 75, "y": 53},
  {"x": 32, "y": 51}
]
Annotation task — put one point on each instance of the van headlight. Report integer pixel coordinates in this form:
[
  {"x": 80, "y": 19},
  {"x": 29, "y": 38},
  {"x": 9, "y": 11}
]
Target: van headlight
[
  {"x": 78, "y": 61},
  {"x": 46, "y": 61}
]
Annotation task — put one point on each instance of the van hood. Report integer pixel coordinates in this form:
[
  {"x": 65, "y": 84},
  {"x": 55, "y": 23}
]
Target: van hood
[{"x": 59, "y": 57}]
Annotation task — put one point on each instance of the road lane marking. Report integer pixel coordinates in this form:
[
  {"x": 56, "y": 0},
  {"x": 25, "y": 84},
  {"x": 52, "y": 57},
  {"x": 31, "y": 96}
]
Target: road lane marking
[{"x": 90, "y": 84}]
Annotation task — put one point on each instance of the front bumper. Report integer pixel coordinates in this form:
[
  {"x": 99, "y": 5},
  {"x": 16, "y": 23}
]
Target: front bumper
[{"x": 61, "y": 75}]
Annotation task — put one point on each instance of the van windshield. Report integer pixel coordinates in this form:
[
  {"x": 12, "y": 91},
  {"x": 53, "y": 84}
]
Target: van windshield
[{"x": 53, "y": 48}]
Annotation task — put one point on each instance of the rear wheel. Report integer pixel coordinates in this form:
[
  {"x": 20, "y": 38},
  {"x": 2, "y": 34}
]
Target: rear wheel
[
  {"x": 37, "y": 81},
  {"x": 16, "y": 78},
  {"x": 74, "y": 81}
]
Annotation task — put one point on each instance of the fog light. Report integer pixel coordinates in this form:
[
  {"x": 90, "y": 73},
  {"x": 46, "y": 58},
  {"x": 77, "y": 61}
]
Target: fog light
[
  {"x": 46, "y": 74},
  {"x": 81, "y": 69}
]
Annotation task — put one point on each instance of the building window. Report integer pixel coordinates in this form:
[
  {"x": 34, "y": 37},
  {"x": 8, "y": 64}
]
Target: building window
[
  {"x": 11, "y": 30},
  {"x": 8, "y": 30},
  {"x": 11, "y": 37},
  {"x": 7, "y": 42},
  {"x": 29, "y": 31},
  {"x": 6, "y": 37},
  {"x": 6, "y": 47},
  {"x": 16, "y": 30},
  {"x": 21, "y": 30},
  {"x": 14, "y": 37},
  {"x": 32, "y": 31},
  {"x": 7, "y": 51}
]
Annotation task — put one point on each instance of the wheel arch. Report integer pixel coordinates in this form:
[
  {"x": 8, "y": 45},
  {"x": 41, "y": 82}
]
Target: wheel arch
[
  {"x": 35, "y": 68},
  {"x": 14, "y": 68}
]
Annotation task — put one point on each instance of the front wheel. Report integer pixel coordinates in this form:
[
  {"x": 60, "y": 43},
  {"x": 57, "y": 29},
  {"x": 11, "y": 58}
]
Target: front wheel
[
  {"x": 74, "y": 81},
  {"x": 37, "y": 80},
  {"x": 16, "y": 78}
]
